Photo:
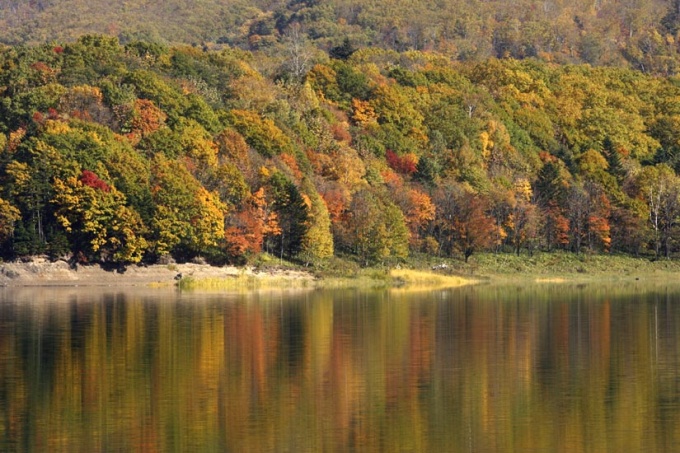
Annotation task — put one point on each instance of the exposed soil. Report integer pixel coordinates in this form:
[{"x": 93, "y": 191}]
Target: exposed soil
[{"x": 42, "y": 272}]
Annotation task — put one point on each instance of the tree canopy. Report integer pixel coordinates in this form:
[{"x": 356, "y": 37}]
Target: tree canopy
[{"x": 130, "y": 152}]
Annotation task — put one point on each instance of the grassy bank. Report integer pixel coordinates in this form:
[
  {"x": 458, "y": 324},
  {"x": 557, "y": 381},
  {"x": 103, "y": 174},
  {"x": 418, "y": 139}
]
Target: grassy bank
[
  {"x": 577, "y": 267},
  {"x": 243, "y": 283},
  {"x": 557, "y": 266},
  {"x": 371, "y": 278},
  {"x": 421, "y": 272}
]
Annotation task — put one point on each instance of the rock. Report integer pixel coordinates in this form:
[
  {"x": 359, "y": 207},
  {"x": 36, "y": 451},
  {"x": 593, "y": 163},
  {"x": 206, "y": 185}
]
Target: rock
[
  {"x": 199, "y": 260},
  {"x": 9, "y": 273},
  {"x": 166, "y": 259}
]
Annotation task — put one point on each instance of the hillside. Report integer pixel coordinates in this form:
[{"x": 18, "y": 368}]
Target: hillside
[
  {"x": 633, "y": 33},
  {"x": 142, "y": 152}
]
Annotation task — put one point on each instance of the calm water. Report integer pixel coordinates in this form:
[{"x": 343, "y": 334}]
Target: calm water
[{"x": 544, "y": 369}]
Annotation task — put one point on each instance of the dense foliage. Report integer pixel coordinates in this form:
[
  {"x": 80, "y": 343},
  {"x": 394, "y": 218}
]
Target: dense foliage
[
  {"x": 122, "y": 153},
  {"x": 642, "y": 34}
]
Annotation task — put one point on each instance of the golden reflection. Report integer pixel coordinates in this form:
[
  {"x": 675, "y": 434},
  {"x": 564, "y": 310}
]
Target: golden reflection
[{"x": 472, "y": 369}]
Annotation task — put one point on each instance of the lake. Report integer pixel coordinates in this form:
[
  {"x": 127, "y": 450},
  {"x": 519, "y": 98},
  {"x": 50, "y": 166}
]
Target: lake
[{"x": 544, "y": 368}]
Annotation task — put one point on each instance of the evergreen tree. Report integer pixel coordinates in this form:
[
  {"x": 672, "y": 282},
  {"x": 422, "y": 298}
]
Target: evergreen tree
[
  {"x": 549, "y": 184},
  {"x": 613, "y": 159},
  {"x": 293, "y": 214},
  {"x": 343, "y": 51}
]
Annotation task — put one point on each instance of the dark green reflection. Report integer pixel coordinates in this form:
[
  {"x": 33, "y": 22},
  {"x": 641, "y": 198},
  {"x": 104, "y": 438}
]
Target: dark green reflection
[{"x": 542, "y": 368}]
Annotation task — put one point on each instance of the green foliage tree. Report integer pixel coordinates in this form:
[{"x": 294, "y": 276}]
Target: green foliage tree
[
  {"x": 188, "y": 219},
  {"x": 292, "y": 211},
  {"x": 260, "y": 133},
  {"x": 377, "y": 228}
]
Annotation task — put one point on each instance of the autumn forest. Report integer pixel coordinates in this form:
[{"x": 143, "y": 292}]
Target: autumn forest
[{"x": 277, "y": 136}]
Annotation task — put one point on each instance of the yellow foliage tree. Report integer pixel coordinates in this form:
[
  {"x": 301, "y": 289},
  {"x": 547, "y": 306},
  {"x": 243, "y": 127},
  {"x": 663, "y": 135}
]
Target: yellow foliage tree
[
  {"x": 97, "y": 218},
  {"x": 317, "y": 242},
  {"x": 8, "y": 215}
]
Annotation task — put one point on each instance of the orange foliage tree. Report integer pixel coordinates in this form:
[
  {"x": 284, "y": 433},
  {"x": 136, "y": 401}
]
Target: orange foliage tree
[
  {"x": 555, "y": 227},
  {"x": 144, "y": 120},
  {"x": 419, "y": 212},
  {"x": 462, "y": 223},
  {"x": 249, "y": 227}
]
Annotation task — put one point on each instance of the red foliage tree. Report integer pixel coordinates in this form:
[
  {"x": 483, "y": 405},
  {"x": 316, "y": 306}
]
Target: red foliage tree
[
  {"x": 90, "y": 179},
  {"x": 406, "y": 164}
]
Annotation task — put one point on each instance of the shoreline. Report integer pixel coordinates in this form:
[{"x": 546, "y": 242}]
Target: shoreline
[
  {"x": 41, "y": 272},
  {"x": 548, "y": 268}
]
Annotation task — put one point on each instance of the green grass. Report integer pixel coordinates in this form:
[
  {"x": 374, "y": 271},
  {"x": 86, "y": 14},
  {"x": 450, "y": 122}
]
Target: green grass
[
  {"x": 569, "y": 266},
  {"x": 416, "y": 273}
]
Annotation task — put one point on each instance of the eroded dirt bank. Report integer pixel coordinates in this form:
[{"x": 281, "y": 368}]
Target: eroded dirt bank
[{"x": 42, "y": 272}]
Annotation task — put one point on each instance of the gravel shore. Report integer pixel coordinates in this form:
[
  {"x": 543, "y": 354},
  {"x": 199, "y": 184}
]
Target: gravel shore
[{"x": 42, "y": 272}]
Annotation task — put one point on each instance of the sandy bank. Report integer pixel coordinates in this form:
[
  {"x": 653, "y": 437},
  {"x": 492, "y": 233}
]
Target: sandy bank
[{"x": 42, "y": 272}]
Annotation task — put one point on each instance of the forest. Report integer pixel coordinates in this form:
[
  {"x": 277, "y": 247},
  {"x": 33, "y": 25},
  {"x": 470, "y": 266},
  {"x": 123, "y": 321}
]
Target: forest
[
  {"x": 641, "y": 34},
  {"x": 139, "y": 151}
]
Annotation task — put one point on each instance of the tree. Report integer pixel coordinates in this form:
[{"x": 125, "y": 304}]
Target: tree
[
  {"x": 86, "y": 103},
  {"x": 292, "y": 212},
  {"x": 188, "y": 219},
  {"x": 630, "y": 227},
  {"x": 406, "y": 164},
  {"x": 462, "y": 222},
  {"x": 526, "y": 223},
  {"x": 599, "y": 217},
  {"x": 317, "y": 243},
  {"x": 8, "y": 216},
  {"x": 551, "y": 183},
  {"x": 613, "y": 160},
  {"x": 376, "y": 228},
  {"x": 144, "y": 119},
  {"x": 671, "y": 21},
  {"x": 99, "y": 223},
  {"x": 556, "y": 226},
  {"x": 248, "y": 228},
  {"x": 578, "y": 204},
  {"x": 501, "y": 201},
  {"x": 343, "y": 51},
  {"x": 261, "y": 133},
  {"x": 473, "y": 227},
  {"x": 418, "y": 211},
  {"x": 524, "y": 220},
  {"x": 29, "y": 177},
  {"x": 299, "y": 51},
  {"x": 660, "y": 188},
  {"x": 149, "y": 85}
]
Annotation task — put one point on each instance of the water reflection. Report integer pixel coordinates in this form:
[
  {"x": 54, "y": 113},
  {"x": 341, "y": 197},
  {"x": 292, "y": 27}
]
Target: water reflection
[{"x": 546, "y": 368}]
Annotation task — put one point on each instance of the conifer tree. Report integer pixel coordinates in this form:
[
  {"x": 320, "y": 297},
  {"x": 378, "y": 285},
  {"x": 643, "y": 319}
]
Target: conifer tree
[{"x": 613, "y": 159}]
